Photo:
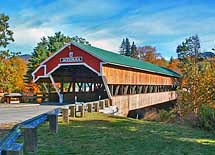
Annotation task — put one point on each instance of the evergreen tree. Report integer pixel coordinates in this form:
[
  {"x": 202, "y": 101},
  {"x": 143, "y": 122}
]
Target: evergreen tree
[
  {"x": 122, "y": 47},
  {"x": 127, "y": 47},
  {"x": 6, "y": 35},
  {"x": 171, "y": 60},
  {"x": 134, "y": 53}
]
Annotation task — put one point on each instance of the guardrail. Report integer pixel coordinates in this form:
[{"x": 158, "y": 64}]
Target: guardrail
[{"x": 8, "y": 144}]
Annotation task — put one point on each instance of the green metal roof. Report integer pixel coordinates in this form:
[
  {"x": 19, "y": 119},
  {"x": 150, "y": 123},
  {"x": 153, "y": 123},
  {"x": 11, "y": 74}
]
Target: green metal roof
[{"x": 114, "y": 58}]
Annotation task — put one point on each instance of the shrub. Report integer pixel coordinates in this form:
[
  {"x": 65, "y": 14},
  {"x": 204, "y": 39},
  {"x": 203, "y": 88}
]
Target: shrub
[
  {"x": 167, "y": 116},
  {"x": 206, "y": 118},
  {"x": 151, "y": 115}
]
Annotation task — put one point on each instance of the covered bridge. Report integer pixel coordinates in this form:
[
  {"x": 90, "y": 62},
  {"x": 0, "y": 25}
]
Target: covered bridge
[{"x": 84, "y": 73}]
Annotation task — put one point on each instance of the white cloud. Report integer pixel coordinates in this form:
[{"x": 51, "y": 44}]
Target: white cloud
[
  {"x": 24, "y": 35},
  {"x": 107, "y": 44}
]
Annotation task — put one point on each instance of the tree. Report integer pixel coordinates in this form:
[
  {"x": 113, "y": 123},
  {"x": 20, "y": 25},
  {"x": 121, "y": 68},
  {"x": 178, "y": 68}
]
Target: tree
[
  {"x": 197, "y": 86},
  {"x": 46, "y": 47},
  {"x": 122, "y": 47},
  {"x": 12, "y": 69},
  {"x": 149, "y": 54},
  {"x": 6, "y": 35},
  {"x": 127, "y": 47},
  {"x": 134, "y": 53},
  {"x": 173, "y": 65},
  {"x": 189, "y": 49}
]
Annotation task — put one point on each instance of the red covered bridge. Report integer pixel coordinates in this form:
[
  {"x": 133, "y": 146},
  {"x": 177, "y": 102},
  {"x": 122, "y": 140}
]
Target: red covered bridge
[{"x": 87, "y": 73}]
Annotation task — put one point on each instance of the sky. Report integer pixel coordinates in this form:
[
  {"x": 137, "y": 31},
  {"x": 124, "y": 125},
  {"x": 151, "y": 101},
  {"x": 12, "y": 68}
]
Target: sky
[{"x": 104, "y": 23}]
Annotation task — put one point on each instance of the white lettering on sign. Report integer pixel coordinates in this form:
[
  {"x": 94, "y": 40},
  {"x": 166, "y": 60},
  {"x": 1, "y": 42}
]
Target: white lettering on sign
[{"x": 71, "y": 58}]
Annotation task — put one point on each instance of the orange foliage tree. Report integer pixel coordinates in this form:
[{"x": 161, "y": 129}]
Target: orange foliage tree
[
  {"x": 173, "y": 65},
  {"x": 149, "y": 54},
  {"x": 12, "y": 71}
]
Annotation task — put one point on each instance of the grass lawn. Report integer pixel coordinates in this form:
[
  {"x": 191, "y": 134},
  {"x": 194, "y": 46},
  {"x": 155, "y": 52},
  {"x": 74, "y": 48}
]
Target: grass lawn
[{"x": 104, "y": 134}]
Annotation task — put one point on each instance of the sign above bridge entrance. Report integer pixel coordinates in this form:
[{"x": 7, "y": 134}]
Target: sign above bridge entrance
[{"x": 71, "y": 58}]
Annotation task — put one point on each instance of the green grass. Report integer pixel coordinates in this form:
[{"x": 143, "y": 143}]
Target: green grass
[{"x": 105, "y": 134}]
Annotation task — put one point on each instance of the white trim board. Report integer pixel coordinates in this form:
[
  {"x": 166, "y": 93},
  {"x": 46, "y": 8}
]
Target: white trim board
[{"x": 67, "y": 64}]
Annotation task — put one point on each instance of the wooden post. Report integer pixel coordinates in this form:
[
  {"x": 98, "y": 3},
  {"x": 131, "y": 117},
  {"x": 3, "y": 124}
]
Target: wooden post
[
  {"x": 72, "y": 110},
  {"x": 53, "y": 122},
  {"x": 140, "y": 89},
  {"x": 102, "y": 104},
  {"x": 111, "y": 89},
  {"x": 65, "y": 113},
  {"x": 96, "y": 106},
  {"x": 107, "y": 103},
  {"x": 82, "y": 110},
  {"x": 61, "y": 86},
  {"x": 117, "y": 90},
  {"x": 125, "y": 90},
  {"x": 121, "y": 89},
  {"x": 89, "y": 107},
  {"x": 146, "y": 89},
  {"x": 110, "y": 102},
  {"x": 30, "y": 139},
  {"x": 70, "y": 85},
  {"x": 134, "y": 89}
]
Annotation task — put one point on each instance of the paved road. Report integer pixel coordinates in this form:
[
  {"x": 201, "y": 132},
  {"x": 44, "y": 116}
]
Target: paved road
[{"x": 20, "y": 113}]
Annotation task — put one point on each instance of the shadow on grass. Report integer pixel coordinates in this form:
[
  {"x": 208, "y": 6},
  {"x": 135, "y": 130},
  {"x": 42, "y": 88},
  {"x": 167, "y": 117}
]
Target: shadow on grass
[{"x": 118, "y": 135}]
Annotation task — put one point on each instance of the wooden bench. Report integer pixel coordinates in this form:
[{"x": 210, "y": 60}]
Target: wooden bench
[{"x": 13, "y": 98}]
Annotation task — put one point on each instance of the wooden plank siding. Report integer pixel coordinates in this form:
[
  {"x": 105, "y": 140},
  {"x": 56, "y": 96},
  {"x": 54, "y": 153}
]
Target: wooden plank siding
[
  {"x": 125, "y": 103},
  {"x": 123, "y": 75}
]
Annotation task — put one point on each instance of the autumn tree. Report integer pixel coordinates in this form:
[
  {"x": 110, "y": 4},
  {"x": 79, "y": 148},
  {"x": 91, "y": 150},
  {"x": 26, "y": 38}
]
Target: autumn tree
[
  {"x": 149, "y": 54},
  {"x": 6, "y": 36},
  {"x": 198, "y": 77},
  {"x": 174, "y": 65},
  {"x": 19, "y": 67},
  {"x": 12, "y": 68}
]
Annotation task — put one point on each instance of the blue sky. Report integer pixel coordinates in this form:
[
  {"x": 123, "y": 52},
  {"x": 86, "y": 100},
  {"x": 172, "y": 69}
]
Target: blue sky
[{"x": 163, "y": 24}]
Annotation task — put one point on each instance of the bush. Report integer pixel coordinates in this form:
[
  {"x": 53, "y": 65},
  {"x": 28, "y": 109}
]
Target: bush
[
  {"x": 167, "y": 116},
  {"x": 151, "y": 115},
  {"x": 206, "y": 118}
]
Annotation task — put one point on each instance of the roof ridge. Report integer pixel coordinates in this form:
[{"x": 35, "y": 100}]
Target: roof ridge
[{"x": 116, "y": 58}]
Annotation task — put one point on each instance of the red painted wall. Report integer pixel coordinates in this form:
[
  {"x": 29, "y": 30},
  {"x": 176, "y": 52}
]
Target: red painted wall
[
  {"x": 40, "y": 72},
  {"x": 53, "y": 62}
]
